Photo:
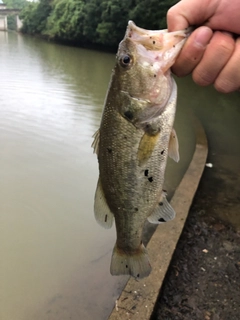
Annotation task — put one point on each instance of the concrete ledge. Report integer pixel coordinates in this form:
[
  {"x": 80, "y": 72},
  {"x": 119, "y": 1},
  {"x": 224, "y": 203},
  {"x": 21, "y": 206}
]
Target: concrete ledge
[{"x": 138, "y": 298}]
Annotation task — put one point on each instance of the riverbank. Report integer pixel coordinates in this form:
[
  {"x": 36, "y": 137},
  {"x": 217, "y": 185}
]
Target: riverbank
[
  {"x": 71, "y": 43},
  {"x": 203, "y": 279},
  {"x": 88, "y": 21}
]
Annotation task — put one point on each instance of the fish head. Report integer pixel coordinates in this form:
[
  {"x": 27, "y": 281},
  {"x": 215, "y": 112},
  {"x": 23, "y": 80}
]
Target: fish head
[{"x": 144, "y": 59}]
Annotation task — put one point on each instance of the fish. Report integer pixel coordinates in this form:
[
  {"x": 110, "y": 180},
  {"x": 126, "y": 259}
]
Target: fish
[{"x": 133, "y": 142}]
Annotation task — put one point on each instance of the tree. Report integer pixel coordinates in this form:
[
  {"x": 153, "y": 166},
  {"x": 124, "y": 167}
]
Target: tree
[
  {"x": 92, "y": 21},
  {"x": 34, "y": 16},
  {"x": 92, "y": 17},
  {"x": 151, "y": 14},
  {"x": 16, "y": 4},
  {"x": 66, "y": 20},
  {"x": 114, "y": 18}
]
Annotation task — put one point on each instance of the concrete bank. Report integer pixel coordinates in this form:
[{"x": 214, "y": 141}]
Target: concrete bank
[{"x": 138, "y": 298}]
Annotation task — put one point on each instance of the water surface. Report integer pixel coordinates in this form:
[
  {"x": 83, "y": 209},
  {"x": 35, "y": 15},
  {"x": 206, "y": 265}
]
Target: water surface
[{"x": 54, "y": 256}]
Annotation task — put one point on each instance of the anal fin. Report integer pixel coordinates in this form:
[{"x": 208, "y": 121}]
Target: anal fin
[
  {"x": 163, "y": 212},
  {"x": 103, "y": 214}
]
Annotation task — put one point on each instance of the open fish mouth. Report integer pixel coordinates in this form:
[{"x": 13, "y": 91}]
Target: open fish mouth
[
  {"x": 156, "y": 39},
  {"x": 151, "y": 53}
]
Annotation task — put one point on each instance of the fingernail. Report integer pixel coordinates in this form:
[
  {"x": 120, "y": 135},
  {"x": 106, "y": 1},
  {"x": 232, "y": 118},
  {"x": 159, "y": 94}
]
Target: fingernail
[{"x": 202, "y": 36}]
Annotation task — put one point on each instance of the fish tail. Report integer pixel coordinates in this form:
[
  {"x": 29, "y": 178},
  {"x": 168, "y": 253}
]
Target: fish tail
[{"x": 135, "y": 264}]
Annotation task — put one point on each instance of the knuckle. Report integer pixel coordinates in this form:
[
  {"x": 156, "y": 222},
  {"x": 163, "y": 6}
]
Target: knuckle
[
  {"x": 202, "y": 77},
  {"x": 226, "y": 47},
  {"x": 170, "y": 13},
  {"x": 224, "y": 85},
  {"x": 224, "y": 44}
]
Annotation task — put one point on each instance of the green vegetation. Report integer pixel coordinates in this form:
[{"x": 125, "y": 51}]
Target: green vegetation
[
  {"x": 11, "y": 22},
  {"x": 66, "y": 20},
  {"x": 35, "y": 16},
  {"x": 97, "y": 22},
  {"x": 16, "y": 4}
]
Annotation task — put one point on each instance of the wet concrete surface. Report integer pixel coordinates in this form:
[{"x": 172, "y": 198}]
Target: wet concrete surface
[{"x": 203, "y": 281}]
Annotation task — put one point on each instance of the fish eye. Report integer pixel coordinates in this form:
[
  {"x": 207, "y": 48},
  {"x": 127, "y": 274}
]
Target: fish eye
[{"x": 125, "y": 60}]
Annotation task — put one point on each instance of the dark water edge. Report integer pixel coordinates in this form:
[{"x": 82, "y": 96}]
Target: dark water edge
[{"x": 72, "y": 43}]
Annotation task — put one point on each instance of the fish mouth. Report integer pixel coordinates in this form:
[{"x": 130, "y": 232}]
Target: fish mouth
[
  {"x": 153, "y": 53},
  {"x": 156, "y": 49},
  {"x": 156, "y": 40}
]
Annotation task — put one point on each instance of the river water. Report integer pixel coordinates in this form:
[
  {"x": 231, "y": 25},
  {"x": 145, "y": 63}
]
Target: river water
[{"x": 54, "y": 256}]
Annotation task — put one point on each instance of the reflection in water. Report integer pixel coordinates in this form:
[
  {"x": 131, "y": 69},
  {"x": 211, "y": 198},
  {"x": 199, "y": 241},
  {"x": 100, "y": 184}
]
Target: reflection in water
[{"x": 54, "y": 257}]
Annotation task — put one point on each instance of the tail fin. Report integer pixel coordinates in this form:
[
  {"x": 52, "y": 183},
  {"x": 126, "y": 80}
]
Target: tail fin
[{"x": 135, "y": 264}]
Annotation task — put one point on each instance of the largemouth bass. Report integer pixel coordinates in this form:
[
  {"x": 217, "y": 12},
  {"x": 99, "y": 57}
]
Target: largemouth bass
[{"x": 135, "y": 137}]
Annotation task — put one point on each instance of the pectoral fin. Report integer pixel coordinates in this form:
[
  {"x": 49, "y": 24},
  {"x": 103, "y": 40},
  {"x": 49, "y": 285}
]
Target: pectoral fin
[
  {"x": 95, "y": 144},
  {"x": 173, "y": 148},
  {"x": 146, "y": 147},
  {"x": 102, "y": 213},
  {"x": 163, "y": 212}
]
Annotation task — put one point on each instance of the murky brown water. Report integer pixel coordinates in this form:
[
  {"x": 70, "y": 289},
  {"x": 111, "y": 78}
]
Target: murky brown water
[{"x": 54, "y": 257}]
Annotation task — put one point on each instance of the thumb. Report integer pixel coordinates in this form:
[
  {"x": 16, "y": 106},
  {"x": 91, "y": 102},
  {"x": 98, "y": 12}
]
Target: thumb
[{"x": 189, "y": 13}]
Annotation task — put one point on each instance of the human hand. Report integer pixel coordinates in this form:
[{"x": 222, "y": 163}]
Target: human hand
[{"x": 213, "y": 57}]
